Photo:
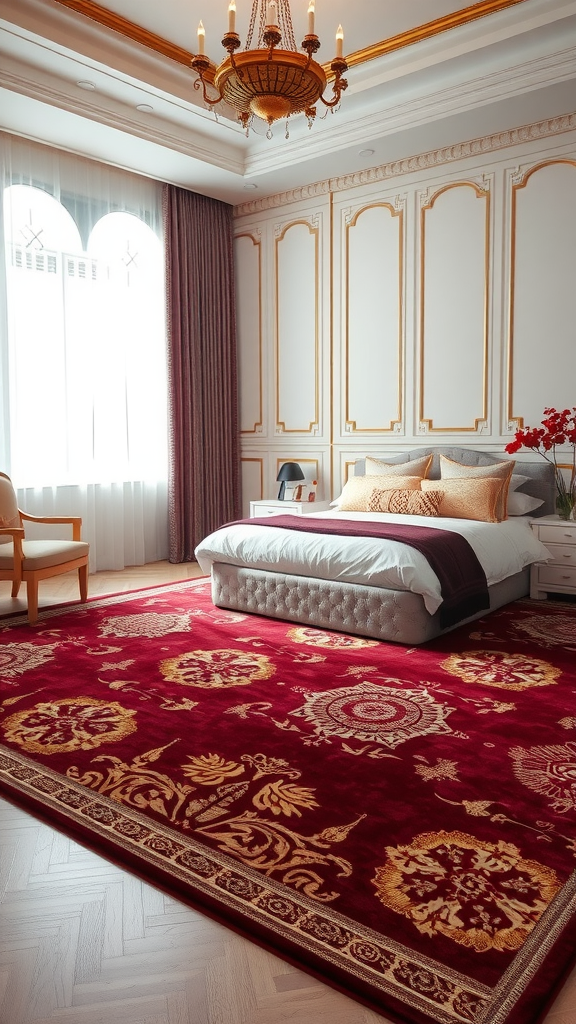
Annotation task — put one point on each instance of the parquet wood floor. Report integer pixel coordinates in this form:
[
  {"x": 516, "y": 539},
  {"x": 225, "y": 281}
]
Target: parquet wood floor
[{"x": 83, "y": 942}]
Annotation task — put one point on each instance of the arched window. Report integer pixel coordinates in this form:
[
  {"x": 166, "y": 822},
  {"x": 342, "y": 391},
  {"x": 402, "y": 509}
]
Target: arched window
[
  {"x": 86, "y": 344},
  {"x": 84, "y": 356}
]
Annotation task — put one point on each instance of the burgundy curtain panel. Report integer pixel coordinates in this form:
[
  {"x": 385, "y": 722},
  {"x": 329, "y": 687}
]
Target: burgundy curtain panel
[{"x": 204, "y": 473}]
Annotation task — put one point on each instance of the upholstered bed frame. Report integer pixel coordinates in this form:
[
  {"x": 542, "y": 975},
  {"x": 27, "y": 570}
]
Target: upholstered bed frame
[{"x": 372, "y": 611}]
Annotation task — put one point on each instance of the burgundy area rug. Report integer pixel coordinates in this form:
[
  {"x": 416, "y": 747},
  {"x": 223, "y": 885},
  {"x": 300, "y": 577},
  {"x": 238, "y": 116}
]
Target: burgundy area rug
[{"x": 400, "y": 821}]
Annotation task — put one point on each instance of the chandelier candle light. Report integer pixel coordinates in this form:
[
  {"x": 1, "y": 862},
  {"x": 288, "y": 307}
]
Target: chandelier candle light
[{"x": 268, "y": 82}]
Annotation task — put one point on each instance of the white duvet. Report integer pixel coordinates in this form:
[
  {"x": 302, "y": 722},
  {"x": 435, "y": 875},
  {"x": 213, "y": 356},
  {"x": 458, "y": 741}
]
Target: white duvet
[{"x": 501, "y": 548}]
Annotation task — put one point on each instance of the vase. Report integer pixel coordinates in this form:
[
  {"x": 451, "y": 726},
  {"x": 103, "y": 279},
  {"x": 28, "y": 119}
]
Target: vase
[{"x": 565, "y": 506}]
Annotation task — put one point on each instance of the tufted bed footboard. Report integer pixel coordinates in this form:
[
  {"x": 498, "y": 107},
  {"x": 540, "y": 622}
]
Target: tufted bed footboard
[{"x": 393, "y": 615}]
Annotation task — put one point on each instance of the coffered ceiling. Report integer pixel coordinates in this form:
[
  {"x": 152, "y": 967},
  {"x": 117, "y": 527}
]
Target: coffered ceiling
[{"x": 114, "y": 83}]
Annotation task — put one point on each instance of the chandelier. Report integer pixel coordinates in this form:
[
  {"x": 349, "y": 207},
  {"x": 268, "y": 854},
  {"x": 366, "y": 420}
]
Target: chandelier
[{"x": 268, "y": 82}]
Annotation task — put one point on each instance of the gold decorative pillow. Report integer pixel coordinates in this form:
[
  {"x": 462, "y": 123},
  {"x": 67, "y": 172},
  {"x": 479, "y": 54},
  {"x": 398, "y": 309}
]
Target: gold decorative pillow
[
  {"x": 500, "y": 470},
  {"x": 417, "y": 467},
  {"x": 405, "y": 502},
  {"x": 477, "y": 498},
  {"x": 357, "y": 490}
]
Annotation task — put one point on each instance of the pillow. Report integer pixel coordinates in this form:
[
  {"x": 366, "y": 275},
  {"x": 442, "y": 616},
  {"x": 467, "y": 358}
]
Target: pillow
[
  {"x": 520, "y": 504},
  {"x": 516, "y": 480},
  {"x": 416, "y": 467},
  {"x": 469, "y": 499},
  {"x": 405, "y": 502},
  {"x": 357, "y": 490},
  {"x": 497, "y": 470}
]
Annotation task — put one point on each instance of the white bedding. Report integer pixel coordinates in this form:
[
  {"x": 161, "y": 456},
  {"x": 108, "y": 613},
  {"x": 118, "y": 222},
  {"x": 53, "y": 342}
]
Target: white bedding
[{"x": 502, "y": 549}]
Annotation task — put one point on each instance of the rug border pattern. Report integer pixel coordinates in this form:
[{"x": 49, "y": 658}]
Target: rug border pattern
[{"x": 75, "y": 802}]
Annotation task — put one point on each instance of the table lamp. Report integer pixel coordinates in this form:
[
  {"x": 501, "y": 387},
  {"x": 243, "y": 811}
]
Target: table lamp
[{"x": 288, "y": 471}]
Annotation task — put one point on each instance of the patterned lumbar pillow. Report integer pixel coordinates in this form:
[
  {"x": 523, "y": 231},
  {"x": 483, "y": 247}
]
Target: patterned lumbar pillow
[
  {"x": 357, "y": 490},
  {"x": 405, "y": 502},
  {"x": 477, "y": 498},
  {"x": 416, "y": 467}
]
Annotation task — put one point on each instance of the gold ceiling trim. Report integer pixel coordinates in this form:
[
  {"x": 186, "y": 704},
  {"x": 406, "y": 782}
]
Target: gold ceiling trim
[
  {"x": 429, "y": 29},
  {"x": 131, "y": 30}
]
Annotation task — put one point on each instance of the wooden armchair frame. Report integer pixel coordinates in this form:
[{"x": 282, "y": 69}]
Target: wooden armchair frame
[{"x": 23, "y": 569}]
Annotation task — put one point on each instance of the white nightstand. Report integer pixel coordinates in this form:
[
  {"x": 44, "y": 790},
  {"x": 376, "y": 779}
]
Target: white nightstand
[
  {"x": 557, "y": 576},
  {"x": 273, "y": 507}
]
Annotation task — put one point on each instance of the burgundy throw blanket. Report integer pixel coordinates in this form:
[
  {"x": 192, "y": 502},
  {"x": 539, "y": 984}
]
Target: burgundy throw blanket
[{"x": 462, "y": 578}]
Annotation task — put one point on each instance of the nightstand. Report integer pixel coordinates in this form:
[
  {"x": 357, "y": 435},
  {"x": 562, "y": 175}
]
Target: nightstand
[
  {"x": 273, "y": 507},
  {"x": 557, "y": 576}
]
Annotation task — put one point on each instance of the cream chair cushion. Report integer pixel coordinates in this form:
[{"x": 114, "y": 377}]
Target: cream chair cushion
[{"x": 41, "y": 554}]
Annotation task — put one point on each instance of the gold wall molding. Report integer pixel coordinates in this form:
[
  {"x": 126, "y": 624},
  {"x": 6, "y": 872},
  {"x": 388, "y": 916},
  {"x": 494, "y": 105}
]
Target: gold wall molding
[
  {"x": 428, "y": 199},
  {"x": 351, "y": 219},
  {"x": 519, "y": 178},
  {"x": 280, "y": 232},
  {"x": 255, "y": 238},
  {"x": 421, "y": 162}
]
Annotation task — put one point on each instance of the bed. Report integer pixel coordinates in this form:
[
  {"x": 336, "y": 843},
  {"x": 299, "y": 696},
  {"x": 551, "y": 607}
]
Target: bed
[{"x": 381, "y": 588}]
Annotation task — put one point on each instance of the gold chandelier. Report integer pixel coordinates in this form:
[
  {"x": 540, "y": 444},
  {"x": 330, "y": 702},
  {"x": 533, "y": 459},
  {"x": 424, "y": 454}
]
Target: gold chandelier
[{"x": 268, "y": 82}]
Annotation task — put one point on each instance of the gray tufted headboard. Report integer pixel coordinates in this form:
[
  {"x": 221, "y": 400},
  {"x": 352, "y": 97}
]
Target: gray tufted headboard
[{"x": 540, "y": 485}]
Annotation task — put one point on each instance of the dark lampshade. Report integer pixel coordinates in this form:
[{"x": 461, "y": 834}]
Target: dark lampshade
[{"x": 288, "y": 471}]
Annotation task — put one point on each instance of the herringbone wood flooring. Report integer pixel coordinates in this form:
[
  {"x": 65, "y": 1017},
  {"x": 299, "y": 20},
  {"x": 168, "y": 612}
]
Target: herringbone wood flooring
[{"x": 83, "y": 942}]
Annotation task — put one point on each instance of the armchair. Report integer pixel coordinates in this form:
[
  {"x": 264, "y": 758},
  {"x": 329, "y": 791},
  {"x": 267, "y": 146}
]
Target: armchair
[{"x": 30, "y": 561}]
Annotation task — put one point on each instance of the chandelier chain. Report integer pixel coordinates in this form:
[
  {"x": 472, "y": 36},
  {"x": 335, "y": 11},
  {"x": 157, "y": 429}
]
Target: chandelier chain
[{"x": 284, "y": 24}]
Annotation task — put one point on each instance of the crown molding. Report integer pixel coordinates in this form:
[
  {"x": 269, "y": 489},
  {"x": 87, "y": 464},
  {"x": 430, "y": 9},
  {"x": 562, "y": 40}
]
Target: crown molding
[
  {"x": 420, "y": 110},
  {"x": 433, "y": 158},
  {"x": 157, "y": 131}
]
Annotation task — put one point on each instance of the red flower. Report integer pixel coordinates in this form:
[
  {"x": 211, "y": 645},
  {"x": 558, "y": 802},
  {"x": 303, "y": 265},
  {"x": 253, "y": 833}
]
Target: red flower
[{"x": 558, "y": 428}]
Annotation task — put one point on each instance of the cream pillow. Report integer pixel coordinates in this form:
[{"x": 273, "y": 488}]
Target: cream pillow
[
  {"x": 477, "y": 498},
  {"x": 521, "y": 504},
  {"x": 417, "y": 467},
  {"x": 405, "y": 502},
  {"x": 357, "y": 490},
  {"x": 498, "y": 470}
]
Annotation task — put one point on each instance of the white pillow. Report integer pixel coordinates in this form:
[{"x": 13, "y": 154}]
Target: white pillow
[
  {"x": 520, "y": 504},
  {"x": 517, "y": 481}
]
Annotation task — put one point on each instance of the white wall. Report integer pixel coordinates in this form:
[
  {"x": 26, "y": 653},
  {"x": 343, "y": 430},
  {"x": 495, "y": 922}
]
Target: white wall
[{"x": 426, "y": 302}]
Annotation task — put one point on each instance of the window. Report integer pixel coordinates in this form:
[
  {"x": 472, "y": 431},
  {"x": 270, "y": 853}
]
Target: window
[{"x": 84, "y": 338}]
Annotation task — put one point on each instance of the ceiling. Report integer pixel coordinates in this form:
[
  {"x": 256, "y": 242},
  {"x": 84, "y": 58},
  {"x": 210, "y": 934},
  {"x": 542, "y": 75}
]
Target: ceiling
[{"x": 423, "y": 74}]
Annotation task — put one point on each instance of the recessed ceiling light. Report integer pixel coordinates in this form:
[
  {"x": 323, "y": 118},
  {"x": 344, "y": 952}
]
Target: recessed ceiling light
[
  {"x": 250, "y": 185},
  {"x": 145, "y": 108},
  {"x": 89, "y": 86},
  {"x": 366, "y": 152}
]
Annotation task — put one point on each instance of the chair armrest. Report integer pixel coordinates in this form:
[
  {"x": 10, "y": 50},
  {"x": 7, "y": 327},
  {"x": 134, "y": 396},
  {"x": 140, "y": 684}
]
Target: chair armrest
[
  {"x": 74, "y": 521},
  {"x": 17, "y": 534}
]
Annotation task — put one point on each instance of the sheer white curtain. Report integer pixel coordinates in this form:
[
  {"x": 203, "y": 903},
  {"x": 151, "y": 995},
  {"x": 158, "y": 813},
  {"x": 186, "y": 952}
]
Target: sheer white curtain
[{"x": 83, "y": 348}]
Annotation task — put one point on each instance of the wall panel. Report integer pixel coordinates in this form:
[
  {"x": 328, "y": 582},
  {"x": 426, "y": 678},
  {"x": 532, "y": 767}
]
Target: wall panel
[
  {"x": 252, "y": 471},
  {"x": 373, "y": 342},
  {"x": 542, "y": 335},
  {"x": 249, "y": 331},
  {"x": 430, "y": 300},
  {"x": 454, "y": 293},
  {"x": 297, "y": 343}
]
